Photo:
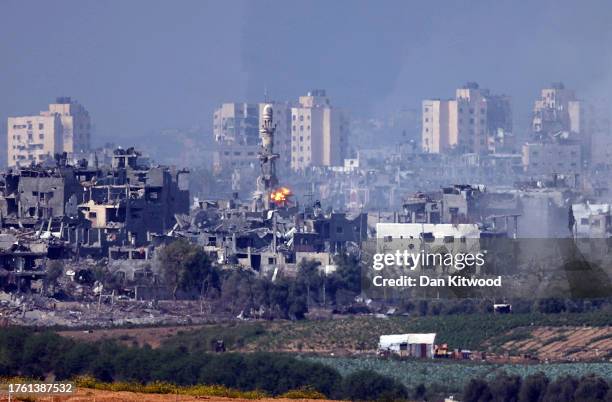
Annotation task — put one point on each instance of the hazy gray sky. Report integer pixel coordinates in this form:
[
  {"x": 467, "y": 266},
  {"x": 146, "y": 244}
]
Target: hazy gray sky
[{"x": 142, "y": 66}]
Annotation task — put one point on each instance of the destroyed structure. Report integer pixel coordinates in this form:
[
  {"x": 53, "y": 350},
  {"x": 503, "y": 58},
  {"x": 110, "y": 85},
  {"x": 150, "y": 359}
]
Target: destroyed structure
[
  {"x": 118, "y": 212},
  {"x": 70, "y": 212}
]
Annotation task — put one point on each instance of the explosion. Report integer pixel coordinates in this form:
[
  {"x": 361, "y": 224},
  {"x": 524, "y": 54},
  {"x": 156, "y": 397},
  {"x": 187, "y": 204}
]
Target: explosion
[{"x": 280, "y": 196}]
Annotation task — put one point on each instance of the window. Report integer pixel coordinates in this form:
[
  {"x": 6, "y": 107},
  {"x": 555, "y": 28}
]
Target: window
[
  {"x": 41, "y": 126},
  {"x": 41, "y": 136},
  {"x": 584, "y": 221}
]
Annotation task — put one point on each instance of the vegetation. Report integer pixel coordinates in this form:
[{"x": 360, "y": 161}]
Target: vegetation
[
  {"x": 186, "y": 267},
  {"x": 173, "y": 369},
  {"x": 167, "y": 388},
  {"x": 361, "y": 333},
  {"x": 190, "y": 274},
  {"x": 453, "y": 376},
  {"x": 24, "y": 352},
  {"x": 537, "y": 387}
]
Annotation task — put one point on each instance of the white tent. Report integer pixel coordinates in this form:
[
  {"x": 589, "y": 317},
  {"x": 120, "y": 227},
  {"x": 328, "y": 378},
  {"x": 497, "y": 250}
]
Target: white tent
[{"x": 416, "y": 345}]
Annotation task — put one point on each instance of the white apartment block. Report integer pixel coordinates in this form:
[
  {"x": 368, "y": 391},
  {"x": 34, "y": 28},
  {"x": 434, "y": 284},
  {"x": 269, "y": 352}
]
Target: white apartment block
[
  {"x": 439, "y": 130},
  {"x": 65, "y": 127},
  {"x": 34, "y": 139},
  {"x": 319, "y": 132}
]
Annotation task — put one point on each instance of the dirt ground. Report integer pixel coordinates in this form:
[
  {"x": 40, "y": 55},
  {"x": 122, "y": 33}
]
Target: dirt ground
[
  {"x": 152, "y": 336},
  {"x": 566, "y": 343},
  {"x": 90, "y": 395}
]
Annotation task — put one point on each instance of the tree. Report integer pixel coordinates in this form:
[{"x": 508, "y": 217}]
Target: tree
[
  {"x": 505, "y": 388},
  {"x": 477, "y": 390},
  {"x": 311, "y": 278},
  {"x": 561, "y": 390},
  {"x": 367, "y": 385},
  {"x": 533, "y": 388},
  {"x": 349, "y": 272},
  {"x": 591, "y": 388},
  {"x": 186, "y": 267}
]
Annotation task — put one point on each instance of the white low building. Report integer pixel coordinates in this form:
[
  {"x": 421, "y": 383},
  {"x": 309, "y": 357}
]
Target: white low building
[
  {"x": 592, "y": 220},
  {"x": 408, "y": 345}
]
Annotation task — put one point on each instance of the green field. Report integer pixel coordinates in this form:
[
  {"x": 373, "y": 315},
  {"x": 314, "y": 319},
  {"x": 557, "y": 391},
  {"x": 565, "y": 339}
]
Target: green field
[
  {"x": 361, "y": 333},
  {"x": 452, "y": 376}
]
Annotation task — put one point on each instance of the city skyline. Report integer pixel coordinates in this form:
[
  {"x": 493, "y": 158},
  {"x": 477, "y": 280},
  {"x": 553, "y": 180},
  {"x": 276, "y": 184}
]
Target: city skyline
[{"x": 166, "y": 68}]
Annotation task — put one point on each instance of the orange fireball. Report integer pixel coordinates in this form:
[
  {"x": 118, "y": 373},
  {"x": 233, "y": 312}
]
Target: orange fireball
[{"x": 280, "y": 195}]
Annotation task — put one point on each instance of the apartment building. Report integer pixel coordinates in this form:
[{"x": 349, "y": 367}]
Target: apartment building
[
  {"x": 564, "y": 132},
  {"x": 556, "y": 110},
  {"x": 439, "y": 129},
  {"x": 543, "y": 158},
  {"x": 236, "y": 123},
  {"x": 475, "y": 121},
  {"x": 76, "y": 124},
  {"x": 319, "y": 132},
  {"x": 236, "y": 130},
  {"x": 33, "y": 139},
  {"x": 65, "y": 127}
]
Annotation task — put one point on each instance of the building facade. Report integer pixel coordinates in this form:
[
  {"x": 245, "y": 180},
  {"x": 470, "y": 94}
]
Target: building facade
[
  {"x": 319, "y": 132},
  {"x": 33, "y": 139},
  {"x": 76, "y": 124},
  {"x": 236, "y": 123},
  {"x": 543, "y": 158},
  {"x": 556, "y": 110},
  {"x": 236, "y": 132},
  {"x": 65, "y": 127},
  {"x": 475, "y": 121}
]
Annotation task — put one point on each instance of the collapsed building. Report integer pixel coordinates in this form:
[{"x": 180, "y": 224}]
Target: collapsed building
[
  {"x": 124, "y": 208},
  {"x": 63, "y": 211}
]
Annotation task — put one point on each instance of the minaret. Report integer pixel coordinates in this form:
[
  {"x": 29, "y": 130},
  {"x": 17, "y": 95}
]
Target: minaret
[{"x": 267, "y": 181}]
